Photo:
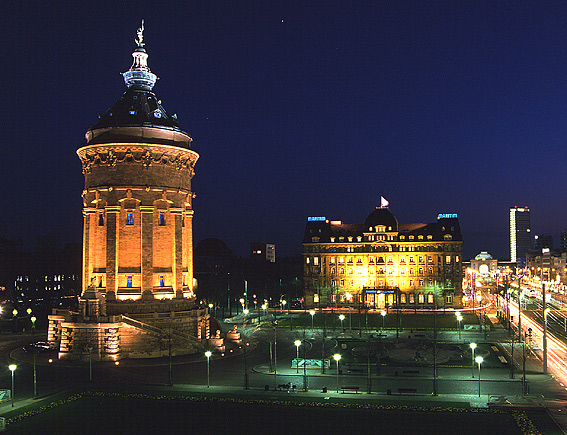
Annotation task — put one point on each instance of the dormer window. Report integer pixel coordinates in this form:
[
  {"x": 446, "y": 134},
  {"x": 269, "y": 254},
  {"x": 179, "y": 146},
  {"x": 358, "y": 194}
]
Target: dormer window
[
  {"x": 350, "y": 238},
  {"x": 359, "y": 238},
  {"x": 411, "y": 237},
  {"x": 448, "y": 237},
  {"x": 315, "y": 239},
  {"x": 332, "y": 240},
  {"x": 420, "y": 237},
  {"x": 429, "y": 237}
]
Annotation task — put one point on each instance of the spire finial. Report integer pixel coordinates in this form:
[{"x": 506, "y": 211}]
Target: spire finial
[
  {"x": 139, "y": 73},
  {"x": 140, "y": 32}
]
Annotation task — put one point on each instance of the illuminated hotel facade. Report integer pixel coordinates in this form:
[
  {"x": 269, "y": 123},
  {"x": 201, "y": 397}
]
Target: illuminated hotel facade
[{"x": 382, "y": 264}]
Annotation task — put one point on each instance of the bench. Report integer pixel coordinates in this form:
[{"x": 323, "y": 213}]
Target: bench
[
  {"x": 286, "y": 387},
  {"x": 350, "y": 389},
  {"x": 407, "y": 391}
]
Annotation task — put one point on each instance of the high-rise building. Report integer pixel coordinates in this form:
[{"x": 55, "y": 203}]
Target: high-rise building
[
  {"x": 263, "y": 251},
  {"x": 563, "y": 240},
  {"x": 137, "y": 270},
  {"x": 520, "y": 233},
  {"x": 381, "y": 263}
]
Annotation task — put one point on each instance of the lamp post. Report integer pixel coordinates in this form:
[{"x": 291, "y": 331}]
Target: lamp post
[
  {"x": 297, "y": 344},
  {"x": 479, "y": 361},
  {"x": 383, "y": 314},
  {"x": 33, "y": 319},
  {"x": 337, "y": 358},
  {"x": 283, "y": 306},
  {"x": 342, "y": 318},
  {"x": 12, "y": 368},
  {"x": 208, "y": 355},
  {"x": 473, "y": 347},
  {"x": 459, "y": 319},
  {"x": 264, "y": 309},
  {"x": 90, "y": 348},
  {"x": 312, "y": 312}
]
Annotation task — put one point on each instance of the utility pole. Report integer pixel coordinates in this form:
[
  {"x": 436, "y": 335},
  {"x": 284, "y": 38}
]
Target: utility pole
[{"x": 544, "y": 308}]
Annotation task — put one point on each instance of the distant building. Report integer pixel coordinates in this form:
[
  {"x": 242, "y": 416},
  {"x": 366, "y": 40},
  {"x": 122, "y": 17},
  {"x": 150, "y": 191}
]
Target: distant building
[
  {"x": 484, "y": 264},
  {"x": 563, "y": 240},
  {"x": 382, "y": 263},
  {"x": 520, "y": 233},
  {"x": 547, "y": 265},
  {"x": 264, "y": 251},
  {"x": 542, "y": 241}
]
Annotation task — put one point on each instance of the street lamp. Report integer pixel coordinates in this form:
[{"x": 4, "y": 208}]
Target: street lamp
[
  {"x": 312, "y": 312},
  {"x": 297, "y": 344},
  {"x": 459, "y": 319},
  {"x": 15, "y": 312},
  {"x": 383, "y": 313},
  {"x": 29, "y": 310},
  {"x": 246, "y": 311},
  {"x": 337, "y": 358},
  {"x": 90, "y": 349},
  {"x": 479, "y": 360},
  {"x": 264, "y": 306},
  {"x": 342, "y": 317},
  {"x": 208, "y": 355},
  {"x": 12, "y": 368},
  {"x": 473, "y": 347}
]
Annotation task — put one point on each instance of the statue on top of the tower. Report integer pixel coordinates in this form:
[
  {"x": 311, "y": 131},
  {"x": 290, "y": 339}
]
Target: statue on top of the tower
[{"x": 140, "y": 33}]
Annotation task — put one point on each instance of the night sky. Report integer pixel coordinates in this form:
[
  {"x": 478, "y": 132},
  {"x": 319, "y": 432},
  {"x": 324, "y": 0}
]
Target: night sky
[{"x": 300, "y": 108}]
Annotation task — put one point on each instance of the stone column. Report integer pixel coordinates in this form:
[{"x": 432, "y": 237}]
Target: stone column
[
  {"x": 177, "y": 252},
  {"x": 87, "y": 213},
  {"x": 112, "y": 213},
  {"x": 189, "y": 235},
  {"x": 147, "y": 213}
]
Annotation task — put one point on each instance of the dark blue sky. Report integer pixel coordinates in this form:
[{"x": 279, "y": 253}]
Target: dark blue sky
[{"x": 300, "y": 108}]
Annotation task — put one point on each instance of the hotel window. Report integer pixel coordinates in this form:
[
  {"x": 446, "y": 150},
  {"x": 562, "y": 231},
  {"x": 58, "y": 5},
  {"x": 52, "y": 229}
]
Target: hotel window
[
  {"x": 342, "y": 283},
  {"x": 403, "y": 298},
  {"x": 412, "y": 298},
  {"x": 316, "y": 297},
  {"x": 332, "y": 260},
  {"x": 333, "y": 271},
  {"x": 381, "y": 271},
  {"x": 411, "y": 259},
  {"x": 381, "y": 282},
  {"x": 430, "y": 282},
  {"x": 420, "y": 237},
  {"x": 359, "y": 260},
  {"x": 350, "y": 270},
  {"x": 421, "y": 270},
  {"x": 421, "y": 259},
  {"x": 421, "y": 283},
  {"x": 429, "y": 259},
  {"x": 370, "y": 271},
  {"x": 430, "y": 270},
  {"x": 381, "y": 260},
  {"x": 342, "y": 271},
  {"x": 316, "y": 261},
  {"x": 161, "y": 220},
  {"x": 359, "y": 239},
  {"x": 390, "y": 260},
  {"x": 332, "y": 240},
  {"x": 350, "y": 260},
  {"x": 307, "y": 260},
  {"x": 351, "y": 282},
  {"x": 430, "y": 298},
  {"x": 341, "y": 238},
  {"x": 449, "y": 299},
  {"x": 430, "y": 237},
  {"x": 161, "y": 281},
  {"x": 411, "y": 282},
  {"x": 448, "y": 259},
  {"x": 456, "y": 259},
  {"x": 100, "y": 219},
  {"x": 402, "y": 260},
  {"x": 130, "y": 219},
  {"x": 350, "y": 238},
  {"x": 420, "y": 298},
  {"x": 411, "y": 237},
  {"x": 334, "y": 298},
  {"x": 129, "y": 281},
  {"x": 402, "y": 271},
  {"x": 412, "y": 271},
  {"x": 371, "y": 261},
  {"x": 402, "y": 237},
  {"x": 341, "y": 259}
]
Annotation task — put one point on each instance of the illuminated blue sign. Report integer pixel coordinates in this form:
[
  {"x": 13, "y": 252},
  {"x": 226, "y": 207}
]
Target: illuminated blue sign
[
  {"x": 316, "y": 218},
  {"x": 447, "y": 216}
]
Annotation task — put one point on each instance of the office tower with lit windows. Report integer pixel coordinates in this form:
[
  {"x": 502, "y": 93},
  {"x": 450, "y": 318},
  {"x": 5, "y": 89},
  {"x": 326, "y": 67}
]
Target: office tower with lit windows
[
  {"x": 382, "y": 263},
  {"x": 520, "y": 233}
]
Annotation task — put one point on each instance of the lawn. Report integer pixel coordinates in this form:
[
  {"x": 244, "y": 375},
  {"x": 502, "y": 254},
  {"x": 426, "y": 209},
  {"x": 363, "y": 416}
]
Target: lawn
[{"x": 141, "y": 414}]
